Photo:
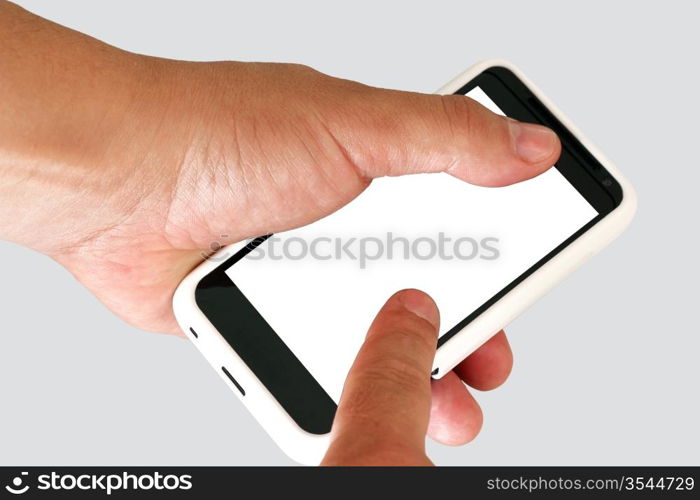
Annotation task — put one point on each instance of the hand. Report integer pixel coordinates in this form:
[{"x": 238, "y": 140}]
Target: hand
[
  {"x": 389, "y": 401},
  {"x": 124, "y": 168}
]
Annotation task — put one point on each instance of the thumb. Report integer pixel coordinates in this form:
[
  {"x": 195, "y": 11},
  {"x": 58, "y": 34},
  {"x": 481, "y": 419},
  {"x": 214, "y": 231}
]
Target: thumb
[
  {"x": 383, "y": 413},
  {"x": 405, "y": 132}
]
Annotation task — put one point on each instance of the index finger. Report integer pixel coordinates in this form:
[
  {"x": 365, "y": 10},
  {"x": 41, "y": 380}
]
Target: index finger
[{"x": 386, "y": 398}]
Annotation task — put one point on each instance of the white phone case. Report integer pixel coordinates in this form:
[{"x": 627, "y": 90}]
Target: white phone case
[{"x": 308, "y": 448}]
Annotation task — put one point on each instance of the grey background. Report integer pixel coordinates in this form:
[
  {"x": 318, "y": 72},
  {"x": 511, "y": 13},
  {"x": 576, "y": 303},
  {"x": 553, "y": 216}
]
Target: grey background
[{"x": 606, "y": 365}]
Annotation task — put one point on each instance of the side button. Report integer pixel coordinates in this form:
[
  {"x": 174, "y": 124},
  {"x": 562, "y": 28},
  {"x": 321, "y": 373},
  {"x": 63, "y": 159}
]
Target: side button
[{"x": 230, "y": 377}]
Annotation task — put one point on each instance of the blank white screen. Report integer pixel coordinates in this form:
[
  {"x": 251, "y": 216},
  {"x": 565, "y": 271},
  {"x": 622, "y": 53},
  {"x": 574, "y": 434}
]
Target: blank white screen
[{"x": 322, "y": 308}]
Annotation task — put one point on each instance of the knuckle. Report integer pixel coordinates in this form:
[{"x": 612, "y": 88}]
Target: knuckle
[
  {"x": 399, "y": 373},
  {"x": 459, "y": 115},
  {"x": 300, "y": 68},
  {"x": 412, "y": 334},
  {"x": 379, "y": 386},
  {"x": 364, "y": 403}
]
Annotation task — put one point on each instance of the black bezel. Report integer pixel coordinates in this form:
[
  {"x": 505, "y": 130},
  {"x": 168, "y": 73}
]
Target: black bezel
[{"x": 287, "y": 379}]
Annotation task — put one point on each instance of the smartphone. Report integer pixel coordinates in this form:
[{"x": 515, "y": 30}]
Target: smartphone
[{"x": 282, "y": 317}]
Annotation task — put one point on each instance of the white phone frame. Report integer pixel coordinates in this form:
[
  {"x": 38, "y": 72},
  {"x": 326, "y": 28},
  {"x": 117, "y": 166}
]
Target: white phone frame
[{"x": 309, "y": 448}]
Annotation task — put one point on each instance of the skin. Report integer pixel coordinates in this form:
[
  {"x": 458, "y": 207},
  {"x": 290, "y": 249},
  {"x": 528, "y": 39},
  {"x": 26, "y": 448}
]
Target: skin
[{"x": 124, "y": 168}]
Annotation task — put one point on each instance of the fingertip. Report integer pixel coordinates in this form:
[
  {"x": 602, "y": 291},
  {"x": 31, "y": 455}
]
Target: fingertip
[
  {"x": 504, "y": 151},
  {"x": 534, "y": 144},
  {"x": 534, "y": 150},
  {"x": 455, "y": 416},
  {"x": 419, "y": 303},
  {"x": 489, "y": 366}
]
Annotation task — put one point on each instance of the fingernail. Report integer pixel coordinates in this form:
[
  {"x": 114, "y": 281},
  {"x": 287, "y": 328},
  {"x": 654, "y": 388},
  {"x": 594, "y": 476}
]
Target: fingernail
[
  {"x": 421, "y": 305},
  {"x": 533, "y": 143}
]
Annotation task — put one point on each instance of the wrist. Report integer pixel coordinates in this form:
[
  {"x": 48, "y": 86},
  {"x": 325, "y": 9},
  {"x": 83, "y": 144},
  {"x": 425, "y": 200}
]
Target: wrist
[{"x": 77, "y": 142}]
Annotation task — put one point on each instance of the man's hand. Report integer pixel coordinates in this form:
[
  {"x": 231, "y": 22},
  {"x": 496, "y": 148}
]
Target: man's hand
[{"x": 124, "y": 168}]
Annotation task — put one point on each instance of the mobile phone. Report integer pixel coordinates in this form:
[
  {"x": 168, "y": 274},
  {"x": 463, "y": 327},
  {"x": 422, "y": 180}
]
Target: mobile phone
[{"x": 282, "y": 317}]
